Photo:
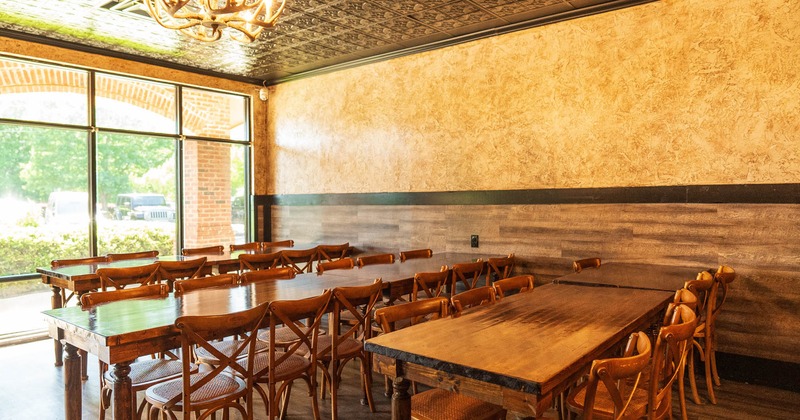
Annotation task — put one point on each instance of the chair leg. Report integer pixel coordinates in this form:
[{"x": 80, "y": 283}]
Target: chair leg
[
  {"x": 692, "y": 378},
  {"x": 387, "y": 387},
  {"x": 682, "y": 392},
  {"x": 709, "y": 379},
  {"x": 366, "y": 384},
  {"x": 713, "y": 358}
]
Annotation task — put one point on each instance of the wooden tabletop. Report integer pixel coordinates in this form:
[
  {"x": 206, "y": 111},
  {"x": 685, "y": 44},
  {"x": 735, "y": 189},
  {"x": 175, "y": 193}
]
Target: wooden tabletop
[
  {"x": 527, "y": 343},
  {"x": 636, "y": 276}
]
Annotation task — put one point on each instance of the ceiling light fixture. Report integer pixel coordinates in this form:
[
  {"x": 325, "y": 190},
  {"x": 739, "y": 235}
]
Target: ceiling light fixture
[{"x": 205, "y": 19}]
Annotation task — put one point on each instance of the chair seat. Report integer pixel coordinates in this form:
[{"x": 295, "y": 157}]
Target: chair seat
[
  {"x": 146, "y": 372},
  {"x": 347, "y": 347},
  {"x": 604, "y": 406},
  {"x": 219, "y": 388},
  {"x": 283, "y": 335},
  {"x": 438, "y": 404},
  {"x": 289, "y": 368},
  {"x": 226, "y": 347}
]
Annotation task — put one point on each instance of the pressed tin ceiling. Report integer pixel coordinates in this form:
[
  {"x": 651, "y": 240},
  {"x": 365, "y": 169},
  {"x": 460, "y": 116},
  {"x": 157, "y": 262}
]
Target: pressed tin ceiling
[{"x": 311, "y": 37}]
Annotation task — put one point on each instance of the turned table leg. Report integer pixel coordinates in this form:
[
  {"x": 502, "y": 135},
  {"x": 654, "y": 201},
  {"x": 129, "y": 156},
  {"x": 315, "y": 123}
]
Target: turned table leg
[
  {"x": 55, "y": 303},
  {"x": 401, "y": 401},
  {"x": 72, "y": 384},
  {"x": 123, "y": 398}
]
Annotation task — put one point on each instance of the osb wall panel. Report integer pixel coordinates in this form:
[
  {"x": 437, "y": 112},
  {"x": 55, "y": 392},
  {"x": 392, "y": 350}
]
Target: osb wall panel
[
  {"x": 760, "y": 318},
  {"x": 676, "y": 92}
]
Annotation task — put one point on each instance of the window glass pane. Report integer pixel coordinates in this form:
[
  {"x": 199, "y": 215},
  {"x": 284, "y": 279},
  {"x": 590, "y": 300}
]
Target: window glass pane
[
  {"x": 214, "y": 114},
  {"x": 132, "y": 104},
  {"x": 44, "y": 207},
  {"x": 35, "y": 92},
  {"x": 213, "y": 193},
  {"x": 136, "y": 192}
]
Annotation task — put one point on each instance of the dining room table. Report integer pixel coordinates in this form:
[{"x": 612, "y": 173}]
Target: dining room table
[
  {"x": 633, "y": 275},
  {"x": 520, "y": 352}
]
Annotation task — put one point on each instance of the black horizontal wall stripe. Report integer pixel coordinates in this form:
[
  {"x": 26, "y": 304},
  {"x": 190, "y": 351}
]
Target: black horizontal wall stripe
[{"x": 691, "y": 194}]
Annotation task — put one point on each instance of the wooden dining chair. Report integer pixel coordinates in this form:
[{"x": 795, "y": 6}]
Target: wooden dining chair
[
  {"x": 220, "y": 280},
  {"x": 254, "y": 262},
  {"x": 329, "y": 253},
  {"x": 375, "y": 259},
  {"x": 301, "y": 260},
  {"x": 144, "y": 373},
  {"x": 513, "y": 285},
  {"x": 429, "y": 285},
  {"x": 258, "y": 276},
  {"x": 120, "y": 277},
  {"x": 281, "y": 366},
  {"x": 170, "y": 271},
  {"x": 337, "y": 348},
  {"x": 478, "y": 296},
  {"x": 132, "y": 255},
  {"x": 207, "y": 250},
  {"x": 287, "y": 243},
  {"x": 466, "y": 276},
  {"x": 435, "y": 403},
  {"x": 340, "y": 264},
  {"x": 579, "y": 265},
  {"x": 249, "y": 246},
  {"x": 417, "y": 253},
  {"x": 614, "y": 375},
  {"x": 215, "y": 389},
  {"x": 500, "y": 268}
]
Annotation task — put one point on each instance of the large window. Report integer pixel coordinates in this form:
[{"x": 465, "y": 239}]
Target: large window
[{"x": 94, "y": 163}]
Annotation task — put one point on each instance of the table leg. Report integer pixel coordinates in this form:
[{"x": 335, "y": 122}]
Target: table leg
[
  {"x": 55, "y": 303},
  {"x": 401, "y": 401},
  {"x": 123, "y": 398},
  {"x": 72, "y": 384}
]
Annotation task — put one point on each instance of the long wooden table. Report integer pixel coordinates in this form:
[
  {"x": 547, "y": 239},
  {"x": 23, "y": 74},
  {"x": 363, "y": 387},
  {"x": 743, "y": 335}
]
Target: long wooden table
[
  {"x": 634, "y": 276},
  {"x": 519, "y": 352},
  {"x": 119, "y": 332}
]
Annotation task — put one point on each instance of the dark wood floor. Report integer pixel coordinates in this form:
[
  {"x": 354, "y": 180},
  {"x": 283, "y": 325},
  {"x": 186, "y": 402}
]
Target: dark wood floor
[{"x": 32, "y": 388}]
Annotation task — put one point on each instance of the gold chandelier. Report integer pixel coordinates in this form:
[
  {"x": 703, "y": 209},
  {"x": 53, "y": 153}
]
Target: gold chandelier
[{"x": 205, "y": 19}]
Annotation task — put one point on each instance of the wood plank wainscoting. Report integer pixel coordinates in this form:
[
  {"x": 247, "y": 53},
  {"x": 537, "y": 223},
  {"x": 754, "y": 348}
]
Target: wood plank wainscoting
[{"x": 753, "y": 228}]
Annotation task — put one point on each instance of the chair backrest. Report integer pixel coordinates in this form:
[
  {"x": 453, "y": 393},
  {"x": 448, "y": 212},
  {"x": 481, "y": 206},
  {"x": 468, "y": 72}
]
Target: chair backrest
[
  {"x": 250, "y": 246},
  {"x": 119, "y": 278},
  {"x": 78, "y": 261},
  {"x": 300, "y": 260},
  {"x": 430, "y": 284},
  {"x": 467, "y": 274},
  {"x": 150, "y": 290},
  {"x": 612, "y": 374},
  {"x": 333, "y": 252},
  {"x": 359, "y": 303},
  {"x": 701, "y": 287},
  {"x": 340, "y": 264},
  {"x": 287, "y": 243},
  {"x": 669, "y": 355},
  {"x": 500, "y": 268},
  {"x": 579, "y": 265},
  {"x": 293, "y": 314},
  {"x": 484, "y": 295},
  {"x": 512, "y": 285},
  {"x": 256, "y": 276},
  {"x": 208, "y": 250},
  {"x": 722, "y": 279},
  {"x": 183, "y": 286},
  {"x": 411, "y": 313},
  {"x": 200, "y": 332},
  {"x": 170, "y": 271},
  {"x": 375, "y": 259},
  {"x": 417, "y": 253},
  {"x": 132, "y": 255},
  {"x": 259, "y": 261}
]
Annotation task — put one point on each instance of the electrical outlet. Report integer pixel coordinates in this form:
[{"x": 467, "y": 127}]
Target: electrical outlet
[{"x": 473, "y": 241}]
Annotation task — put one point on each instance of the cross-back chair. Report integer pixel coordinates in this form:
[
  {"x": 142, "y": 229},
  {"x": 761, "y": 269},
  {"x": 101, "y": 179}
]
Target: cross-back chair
[
  {"x": 579, "y": 265},
  {"x": 279, "y": 367},
  {"x": 416, "y": 253},
  {"x": 144, "y": 373},
  {"x": 252, "y": 262},
  {"x": 435, "y": 403},
  {"x": 478, "y": 296},
  {"x": 301, "y": 260},
  {"x": 375, "y": 259},
  {"x": 120, "y": 277},
  {"x": 188, "y": 285},
  {"x": 500, "y": 268},
  {"x": 328, "y": 253},
  {"x": 207, "y": 250},
  {"x": 430, "y": 284},
  {"x": 287, "y": 243},
  {"x": 258, "y": 276},
  {"x": 340, "y": 264},
  {"x": 249, "y": 246},
  {"x": 132, "y": 255},
  {"x": 513, "y": 285},
  {"x": 205, "y": 392},
  {"x": 170, "y": 271},
  {"x": 102, "y": 259},
  {"x": 466, "y": 275}
]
